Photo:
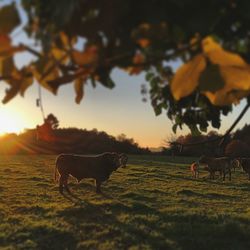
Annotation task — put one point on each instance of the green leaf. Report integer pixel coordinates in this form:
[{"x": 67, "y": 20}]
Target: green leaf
[
  {"x": 104, "y": 78},
  {"x": 157, "y": 110},
  {"x": 174, "y": 128},
  {"x": 154, "y": 82},
  {"x": 216, "y": 122},
  {"x": 9, "y": 18},
  {"x": 149, "y": 76},
  {"x": 178, "y": 119},
  {"x": 194, "y": 130}
]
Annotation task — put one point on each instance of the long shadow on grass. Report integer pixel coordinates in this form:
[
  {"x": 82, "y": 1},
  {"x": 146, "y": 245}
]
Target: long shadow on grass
[
  {"x": 188, "y": 192},
  {"x": 205, "y": 179},
  {"x": 137, "y": 224},
  {"x": 42, "y": 237},
  {"x": 103, "y": 218}
]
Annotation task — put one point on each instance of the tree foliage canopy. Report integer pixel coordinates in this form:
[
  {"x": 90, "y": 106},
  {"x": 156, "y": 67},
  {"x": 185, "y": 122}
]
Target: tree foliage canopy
[{"x": 211, "y": 38}]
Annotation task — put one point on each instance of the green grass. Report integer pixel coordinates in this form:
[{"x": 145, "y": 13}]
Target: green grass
[{"x": 152, "y": 204}]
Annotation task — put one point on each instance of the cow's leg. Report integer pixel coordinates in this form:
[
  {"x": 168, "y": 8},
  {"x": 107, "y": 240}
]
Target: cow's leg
[
  {"x": 63, "y": 183},
  {"x": 98, "y": 186},
  {"x": 224, "y": 175},
  {"x": 221, "y": 173},
  {"x": 212, "y": 175},
  {"x": 229, "y": 172}
]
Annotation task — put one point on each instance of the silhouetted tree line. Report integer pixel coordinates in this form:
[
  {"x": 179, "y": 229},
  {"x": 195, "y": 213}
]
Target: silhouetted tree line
[
  {"x": 237, "y": 145},
  {"x": 68, "y": 140}
]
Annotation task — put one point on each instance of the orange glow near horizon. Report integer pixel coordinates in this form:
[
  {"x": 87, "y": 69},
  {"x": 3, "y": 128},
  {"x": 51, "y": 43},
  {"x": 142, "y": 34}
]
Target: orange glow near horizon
[{"x": 10, "y": 122}]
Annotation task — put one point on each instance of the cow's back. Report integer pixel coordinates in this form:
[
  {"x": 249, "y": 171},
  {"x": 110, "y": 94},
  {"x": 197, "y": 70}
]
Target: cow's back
[{"x": 83, "y": 166}]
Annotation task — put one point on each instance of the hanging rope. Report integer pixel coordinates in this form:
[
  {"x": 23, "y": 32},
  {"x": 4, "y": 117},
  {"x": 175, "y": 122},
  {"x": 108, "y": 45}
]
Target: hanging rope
[
  {"x": 39, "y": 102},
  {"x": 44, "y": 132}
]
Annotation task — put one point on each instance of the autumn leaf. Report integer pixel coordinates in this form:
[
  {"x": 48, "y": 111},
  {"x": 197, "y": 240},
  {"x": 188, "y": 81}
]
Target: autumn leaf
[
  {"x": 68, "y": 78},
  {"x": 224, "y": 97},
  {"x": 137, "y": 59},
  {"x": 211, "y": 79},
  {"x": 187, "y": 76},
  {"x": 79, "y": 89},
  {"x": 59, "y": 55},
  {"x": 9, "y": 19},
  {"x": 194, "y": 41},
  {"x": 6, "y": 49},
  {"x": 228, "y": 68},
  {"x": 217, "y": 55},
  {"x": 236, "y": 77},
  {"x": 45, "y": 71},
  {"x": 67, "y": 42},
  {"x": 64, "y": 39},
  {"x": 144, "y": 42},
  {"x": 89, "y": 57},
  {"x": 26, "y": 80},
  {"x": 5, "y": 42},
  {"x": 237, "y": 86},
  {"x": 19, "y": 81},
  {"x": 7, "y": 66}
]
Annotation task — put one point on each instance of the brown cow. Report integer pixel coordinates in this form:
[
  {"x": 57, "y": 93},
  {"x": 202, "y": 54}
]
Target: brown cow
[
  {"x": 223, "y": 165},
  {"x": 98, "y": 167},
  {"x": 194, "y": 168}
]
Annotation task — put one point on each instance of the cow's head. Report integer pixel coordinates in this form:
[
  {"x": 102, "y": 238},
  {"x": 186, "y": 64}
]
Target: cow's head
[
  {"x": 114, "y": 160},
  {"x": 123, "y": 160},
  {"x": 203, "y": 160}
]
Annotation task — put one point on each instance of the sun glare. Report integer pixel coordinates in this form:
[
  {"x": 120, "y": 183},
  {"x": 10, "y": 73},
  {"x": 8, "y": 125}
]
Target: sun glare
[{"x": 10, "y": 122}]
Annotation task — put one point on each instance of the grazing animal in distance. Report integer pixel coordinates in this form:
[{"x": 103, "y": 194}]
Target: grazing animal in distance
[
  {"x": 98, "y": 167},
  {"x": 223, "y": 165},
  {"x": 235, "y": 164},
  {"x": 124, "y": 160},
  {"x": 195, "y": 169},
  {"x": 245, "y": 163}
]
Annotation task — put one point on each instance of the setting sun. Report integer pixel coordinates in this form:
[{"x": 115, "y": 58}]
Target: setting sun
[{"x": 10, "y": 122}]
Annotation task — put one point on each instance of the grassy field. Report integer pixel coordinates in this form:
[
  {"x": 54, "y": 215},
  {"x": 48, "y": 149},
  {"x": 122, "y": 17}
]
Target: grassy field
[{"x": 152, "y": 204}]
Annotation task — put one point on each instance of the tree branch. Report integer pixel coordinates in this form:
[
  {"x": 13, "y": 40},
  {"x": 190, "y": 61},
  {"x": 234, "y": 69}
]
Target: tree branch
[
  {"x": 32, "y": 51},
  {"x": 222, "y": 138}
]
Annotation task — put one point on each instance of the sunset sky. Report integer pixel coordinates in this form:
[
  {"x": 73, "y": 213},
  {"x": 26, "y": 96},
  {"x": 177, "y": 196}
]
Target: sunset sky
[{"x": 116, "y": 111}]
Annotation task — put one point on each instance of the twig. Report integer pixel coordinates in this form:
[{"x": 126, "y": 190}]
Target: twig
[
  {"x": 222, "y": 138},
  {"x": 32, "y": 51},
  {"x": 235, "y": 123}
]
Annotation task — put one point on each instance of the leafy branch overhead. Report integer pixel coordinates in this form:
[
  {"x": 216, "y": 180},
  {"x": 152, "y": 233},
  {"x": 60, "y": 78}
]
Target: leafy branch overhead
[{"x": 211, "y": 46}]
